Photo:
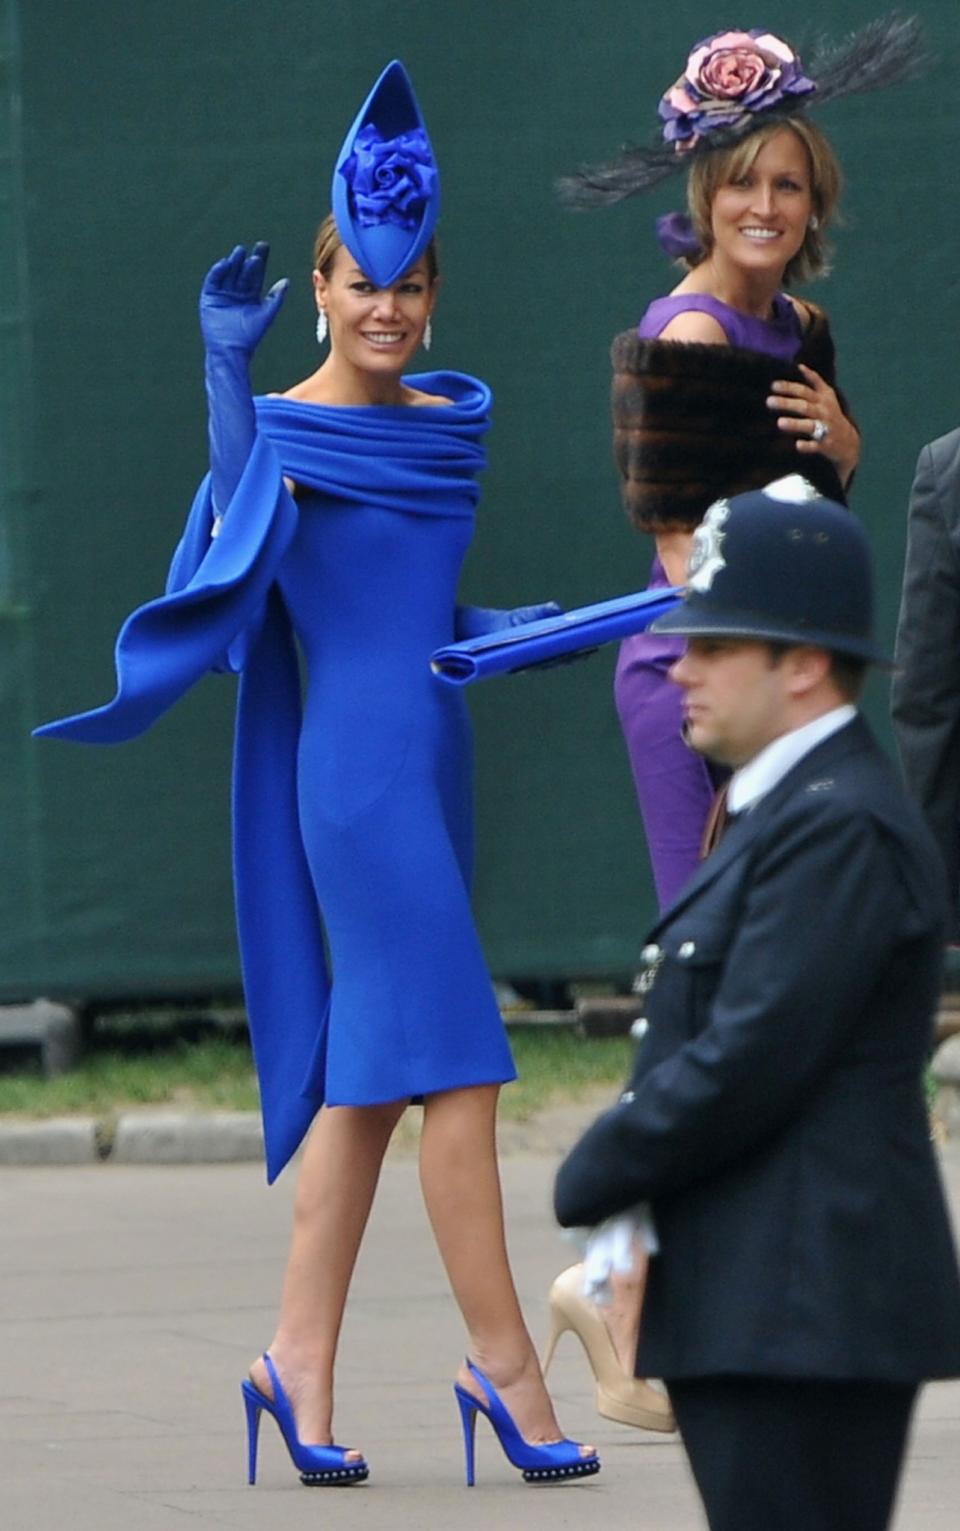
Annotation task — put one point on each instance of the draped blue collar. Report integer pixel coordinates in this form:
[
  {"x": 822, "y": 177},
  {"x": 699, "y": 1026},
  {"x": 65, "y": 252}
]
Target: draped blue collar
[{"x": 426, "y": 456}]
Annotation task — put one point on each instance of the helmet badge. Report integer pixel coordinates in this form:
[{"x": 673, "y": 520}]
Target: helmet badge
[{"x": 706, "y": 556}]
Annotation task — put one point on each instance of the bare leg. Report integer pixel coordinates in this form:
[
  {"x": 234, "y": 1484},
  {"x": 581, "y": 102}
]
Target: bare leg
[
  {"x": 338, "y": 1177},
  {"x": 461, "y": 1188},
  {"x": 622, "y": 1314}
]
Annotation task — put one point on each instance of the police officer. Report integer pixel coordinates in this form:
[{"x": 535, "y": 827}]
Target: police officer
[{"x": 807, "y": 1281}]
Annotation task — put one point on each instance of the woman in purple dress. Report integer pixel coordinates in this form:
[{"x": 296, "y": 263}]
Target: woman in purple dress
[
  {"x": 726, "y": 384},
  {"x": 758, "y": 212}
]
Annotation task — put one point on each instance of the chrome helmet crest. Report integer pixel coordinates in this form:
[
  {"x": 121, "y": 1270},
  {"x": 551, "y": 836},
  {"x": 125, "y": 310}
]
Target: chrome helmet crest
[{"x": 706, "y": 556}]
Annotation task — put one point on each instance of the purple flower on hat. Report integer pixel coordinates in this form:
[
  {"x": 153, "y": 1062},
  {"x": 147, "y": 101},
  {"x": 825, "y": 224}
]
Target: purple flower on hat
[
  {"x": 391, "y": 178},
  {"x": 675, "y": 234},
  {"x": 728, "y": 78}
]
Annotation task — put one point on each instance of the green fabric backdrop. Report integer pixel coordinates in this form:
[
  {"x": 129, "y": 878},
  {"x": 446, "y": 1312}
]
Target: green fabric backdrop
[{"x": 138, "y": 142}]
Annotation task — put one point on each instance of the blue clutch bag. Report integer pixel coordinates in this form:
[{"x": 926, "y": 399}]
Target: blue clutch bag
[{"x": 552, "y": 639}]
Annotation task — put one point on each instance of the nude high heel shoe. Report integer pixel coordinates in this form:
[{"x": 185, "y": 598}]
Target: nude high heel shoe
[{"x": 628, "y": 1400}]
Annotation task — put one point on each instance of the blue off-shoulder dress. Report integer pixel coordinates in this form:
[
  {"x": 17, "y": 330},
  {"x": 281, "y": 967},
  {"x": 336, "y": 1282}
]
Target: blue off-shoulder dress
[{"x": 352, "y": 808}]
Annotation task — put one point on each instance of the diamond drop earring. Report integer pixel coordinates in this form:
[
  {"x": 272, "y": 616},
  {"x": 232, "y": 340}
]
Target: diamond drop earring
[
  {"x": 427, "y": 335},
  {"x": 321, "y": 326},
  {"x": 814, "y": 222}
]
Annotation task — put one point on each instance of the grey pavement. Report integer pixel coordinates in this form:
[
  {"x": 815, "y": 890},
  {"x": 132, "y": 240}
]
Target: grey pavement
[{"x": 132, "y": 1298}]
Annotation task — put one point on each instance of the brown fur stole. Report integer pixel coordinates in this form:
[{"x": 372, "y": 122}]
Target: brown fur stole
[{"x": 690, "y": 424}]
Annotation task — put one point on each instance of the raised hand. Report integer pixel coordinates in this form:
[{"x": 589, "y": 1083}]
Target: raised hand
[
  {"x": 234, "y": 316},
  {"x": 815, "y": 416},
  {"x": 234, "y": 311}
]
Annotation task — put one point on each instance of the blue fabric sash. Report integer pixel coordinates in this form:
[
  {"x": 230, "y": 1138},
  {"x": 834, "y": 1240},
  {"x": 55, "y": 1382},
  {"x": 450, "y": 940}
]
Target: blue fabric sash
[{"x": 221, "y": 610}]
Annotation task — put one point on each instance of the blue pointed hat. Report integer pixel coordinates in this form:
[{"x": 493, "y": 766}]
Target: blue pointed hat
[{"x": 386, "y": 186}]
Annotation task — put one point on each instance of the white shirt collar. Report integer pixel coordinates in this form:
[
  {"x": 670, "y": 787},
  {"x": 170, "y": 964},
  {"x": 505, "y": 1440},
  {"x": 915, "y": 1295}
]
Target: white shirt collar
[{"x": 761, "y": 774}]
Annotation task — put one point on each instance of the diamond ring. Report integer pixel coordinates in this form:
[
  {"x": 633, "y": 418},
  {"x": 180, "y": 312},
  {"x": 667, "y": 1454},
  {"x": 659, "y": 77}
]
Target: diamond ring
[{"x": 820, "y": 429}]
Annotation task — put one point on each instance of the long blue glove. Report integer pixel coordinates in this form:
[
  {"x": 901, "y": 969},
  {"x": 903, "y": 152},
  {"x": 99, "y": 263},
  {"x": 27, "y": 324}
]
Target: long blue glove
[
  {"x": 233, "y": 319},
  {"x": 478, "y": 621}
]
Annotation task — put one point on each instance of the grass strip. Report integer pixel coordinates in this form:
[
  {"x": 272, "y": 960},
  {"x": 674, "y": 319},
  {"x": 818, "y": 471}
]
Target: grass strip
[{"x": 126, "y": 1067}]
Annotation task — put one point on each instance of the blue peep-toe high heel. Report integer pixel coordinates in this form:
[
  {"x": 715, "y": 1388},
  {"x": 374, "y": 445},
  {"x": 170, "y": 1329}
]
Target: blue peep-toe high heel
[
  {"x": 538, "y": 1464},
  {"x": 318, "y": 1465}
]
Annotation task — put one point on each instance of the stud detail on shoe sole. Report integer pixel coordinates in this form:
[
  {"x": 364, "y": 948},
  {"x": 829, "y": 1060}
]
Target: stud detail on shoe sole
[
  {"x": 354, "y": 1474},
  {"x": 584, "y": 1469}
]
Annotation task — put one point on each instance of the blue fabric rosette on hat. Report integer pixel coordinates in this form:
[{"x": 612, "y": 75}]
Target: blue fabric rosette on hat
[{"x": 386, "y": 186}]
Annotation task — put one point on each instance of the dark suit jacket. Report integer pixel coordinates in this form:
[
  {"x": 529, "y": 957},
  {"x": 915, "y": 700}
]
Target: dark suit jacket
[
  {"x": 776, "y": 1116},
  {"x": 926, "y": 684}
]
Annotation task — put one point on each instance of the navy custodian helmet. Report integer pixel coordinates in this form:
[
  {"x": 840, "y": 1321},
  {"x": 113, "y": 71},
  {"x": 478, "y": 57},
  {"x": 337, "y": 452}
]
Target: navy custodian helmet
[{"x": 783, "y": 565}]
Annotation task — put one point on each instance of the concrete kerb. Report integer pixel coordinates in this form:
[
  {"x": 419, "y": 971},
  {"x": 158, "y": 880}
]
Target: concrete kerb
[
  {"x": 167, "y": 1137},
  {"x": 60, "y": 1140},
  {"x": 136, "y": 1137},
  {"x": 234, "y": 1137}
]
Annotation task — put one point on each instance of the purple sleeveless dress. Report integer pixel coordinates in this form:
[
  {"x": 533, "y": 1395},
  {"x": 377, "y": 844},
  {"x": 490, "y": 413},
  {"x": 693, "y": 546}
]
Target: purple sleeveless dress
[{"x": 675, "y": 787}]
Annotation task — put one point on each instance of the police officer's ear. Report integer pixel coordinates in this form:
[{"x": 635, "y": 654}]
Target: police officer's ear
[{"x": 806, "y": 670}]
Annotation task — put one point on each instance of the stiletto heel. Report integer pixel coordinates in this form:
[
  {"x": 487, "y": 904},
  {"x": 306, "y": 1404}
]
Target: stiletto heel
[
  {"x": 251, "y": 1399},
  {"x": 628, "y": 1400},
  {"x": 317, "y": 1465},
  {"x": 538, "y": 1464},
  {"x": 468, "y": 1419}
]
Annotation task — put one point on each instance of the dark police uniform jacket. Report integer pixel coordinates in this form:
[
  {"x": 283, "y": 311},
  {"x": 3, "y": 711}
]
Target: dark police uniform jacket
[{"x": 776, "y": 1116}]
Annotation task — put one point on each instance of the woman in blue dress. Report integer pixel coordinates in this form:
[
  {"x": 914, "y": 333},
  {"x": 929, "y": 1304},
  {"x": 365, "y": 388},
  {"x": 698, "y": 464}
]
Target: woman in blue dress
[{"x": 335, "y": 519}]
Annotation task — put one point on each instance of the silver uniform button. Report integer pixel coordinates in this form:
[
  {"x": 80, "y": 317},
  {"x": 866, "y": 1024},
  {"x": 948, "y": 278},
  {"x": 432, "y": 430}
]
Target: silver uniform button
[
  {"x": 686, "y": 949},
  {"x": 627, "y": 1098},
  {"x": 650, "y": 954},
  {"x": 639, "y": 1028}
]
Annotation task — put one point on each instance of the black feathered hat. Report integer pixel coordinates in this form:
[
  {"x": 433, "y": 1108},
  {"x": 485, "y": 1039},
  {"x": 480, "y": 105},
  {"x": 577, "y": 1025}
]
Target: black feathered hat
[{"x": 734, "y": 82}]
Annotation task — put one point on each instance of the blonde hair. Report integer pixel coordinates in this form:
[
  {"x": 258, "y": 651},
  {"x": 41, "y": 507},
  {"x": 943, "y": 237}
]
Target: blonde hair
[
  {"x": 721, "y": 166},
  {"x": 327, "y": 242}
]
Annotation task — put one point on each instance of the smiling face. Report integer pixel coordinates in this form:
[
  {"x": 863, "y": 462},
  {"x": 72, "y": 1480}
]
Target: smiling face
[
  {"x": 759, "y": 218},
  {"x": 374, "y": 329}
]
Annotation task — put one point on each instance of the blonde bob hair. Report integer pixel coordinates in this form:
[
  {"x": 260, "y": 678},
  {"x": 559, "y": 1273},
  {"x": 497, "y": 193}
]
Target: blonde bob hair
[
  {"x": 327, "y": 242},
  {"x": 721, "y": 166}
]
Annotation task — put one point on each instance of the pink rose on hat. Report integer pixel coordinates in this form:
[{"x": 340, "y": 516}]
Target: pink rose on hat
[{"x": 728, "y": 78}]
